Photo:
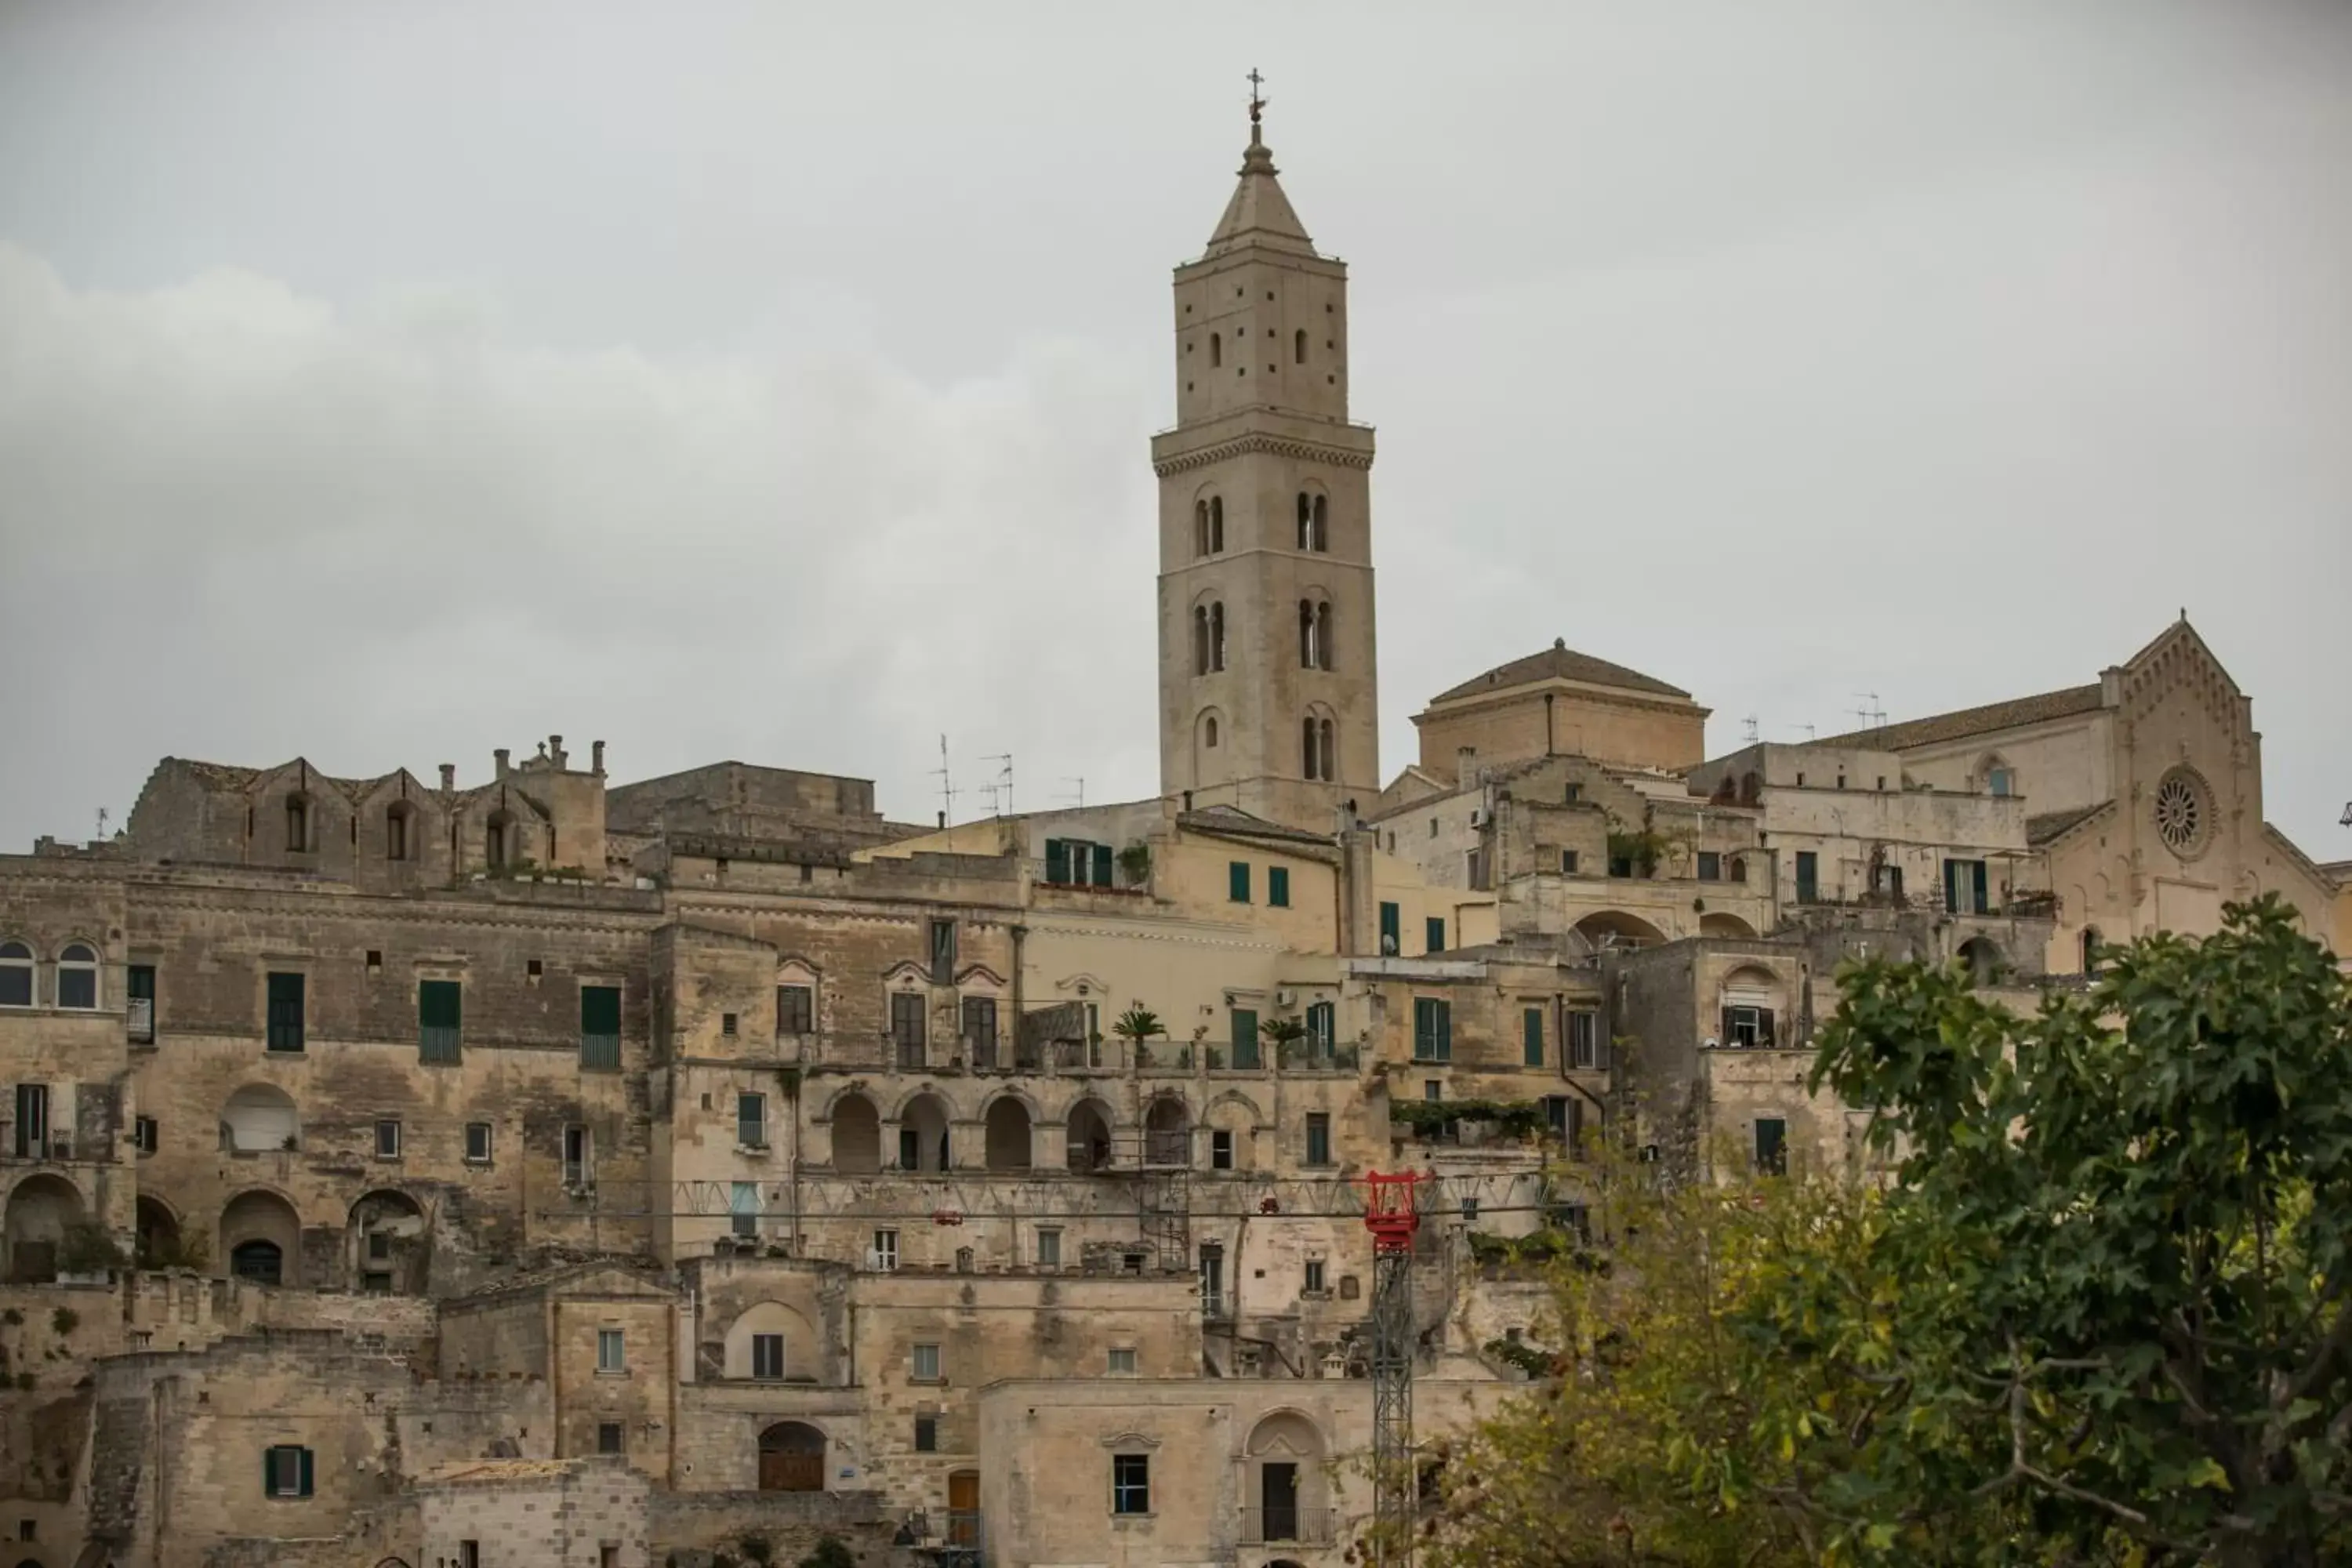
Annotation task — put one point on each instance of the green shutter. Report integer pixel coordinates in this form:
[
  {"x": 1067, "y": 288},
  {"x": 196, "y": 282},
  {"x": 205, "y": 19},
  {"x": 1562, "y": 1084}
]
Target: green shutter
[
  {"x": 1245, "y": 1037},
  {"x": 1951, "y": 887},
  {"x": 306, "y": 1471},
  {"x": 268, "y": 1472},
  {"x": 1277, "y": 887},
  {"x": 1102, "y": 865},
  {"x": 1445, "y": 1031},
  {"x": 1984, "y": 904},
  {"x": 439, "y": 1015},
  {"x": 1433, "y": 933},
  {"x": 1390, "y": 941},
  {"x": 1057, "y": 860},
  {"x": 600, "y": 1026},
  {"x": 1237, "y": 881},
  {"x": 1531, "y": 1037}
]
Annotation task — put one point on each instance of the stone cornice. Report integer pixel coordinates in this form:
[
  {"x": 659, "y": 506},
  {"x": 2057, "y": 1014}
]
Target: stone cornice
[{"x": 1261, "y": 441}]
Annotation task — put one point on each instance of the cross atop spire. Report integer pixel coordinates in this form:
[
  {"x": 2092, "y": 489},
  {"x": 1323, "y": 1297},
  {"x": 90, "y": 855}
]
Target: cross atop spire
[
  {"x": 1259, "y": 211},
  {"x": 1257, "y": 101}
]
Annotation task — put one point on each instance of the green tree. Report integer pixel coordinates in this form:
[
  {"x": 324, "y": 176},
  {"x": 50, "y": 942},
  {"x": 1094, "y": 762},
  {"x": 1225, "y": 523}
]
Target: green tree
[
  {"x": 1138, "y": 1024},
  {"x": 2116, "y": 1243}
]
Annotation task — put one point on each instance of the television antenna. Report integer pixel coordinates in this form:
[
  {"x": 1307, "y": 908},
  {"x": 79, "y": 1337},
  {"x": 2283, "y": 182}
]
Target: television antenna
[
  {"x": 947, "y": 791},
  {"x": 1002, "y": 788},
  {"x": 1081, "y": 795},
  {"x": 1749, "y": 731},
  {"x": 1871, "y": 715}
]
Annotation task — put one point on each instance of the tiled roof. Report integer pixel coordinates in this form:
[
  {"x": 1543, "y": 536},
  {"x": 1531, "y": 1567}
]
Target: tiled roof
[
  {"x": 1560, "y": 662},
  {"x": 1233, "y": 820},
  {"x": 2051, "y": 824},
  {"x": 1985, "y": 720}
]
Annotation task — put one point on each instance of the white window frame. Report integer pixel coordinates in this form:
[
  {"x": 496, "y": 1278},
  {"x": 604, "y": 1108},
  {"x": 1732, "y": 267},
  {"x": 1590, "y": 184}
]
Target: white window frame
[
  {"x": 884, "y": 1251},
  {"x": 776, "y": 1341},
  {"x": 30, "y": 965},
  {"x": 92, "y": 966},
  {"x": 579, "y": 1155},
  {"x": 611, "y": 1354},
  {"x": 489, "y": 1142},
  {"x": 759, "y": 1103},
  {"x": 390, "y": 1124},
  {"x": 1120, "y": 1361},
  {"x": 1049, "y": 1240},
  {"x": 924, "y": 1363}
]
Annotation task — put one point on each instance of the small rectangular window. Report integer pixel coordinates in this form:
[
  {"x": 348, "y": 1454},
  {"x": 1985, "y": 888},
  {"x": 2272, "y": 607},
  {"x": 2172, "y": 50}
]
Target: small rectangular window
[
  {"x": 1567, "y": 862},
  {"x": 927, "y": 1434},
  {"x": 285, "y": 1013},
  {"x": 579, "y": 1157},
  {"x": 1584, "y": 1040},
  {"x": 943, "y": 952},
  {"x": 1433, "y": 1029},
  {"x": 286, "y": 1471},
  {"x": 1318, "y": 1138},
  {"x": 1277, "y": 887},
  {"x": 795, "y": 1010},
  {"x": 1710, "y": 865},
  {"x": 1772, "y": 1145},
  {"x": 141, "y": 1008},
  {"x": 1237, "y": 882},
  {"x": 1049, "y": 1249},
  {"x": 1220, "y": 1149},
  {"x": 884, "y": 1254},
  {"x": 387, "y": 1139},
  {"x": 927, "y": 1363},
  {"x": 469, "y": 1554},
  {"x": 908, "y": 1014},
  {"x": 477, "y": 1142},
  {"x": 1574, "y": 793},
  {"x": 980, "y": 1030},
  {"x": 1131, "y": 1483},
  {"x": 727, "y": 1024},
  {"x": 1391, "y": 925},
  {"x": 1432, "y": 1091},
  {"x": 1433, "y": 933},
  {"x": 1314, "y": 1284},
  {"x": 439, "y": 1018},
  {"x": 143, "y": 1134},
  {"x": 608, "y": 1438},
  {"x": 752, "y": 1120},
  {"x": 743, "y": 1209},
  {"x": 1122, "y": 1360},
  {"x": 767, "y": 1357},
  {"x": 609, "y": 1355},
  {"x": 1531, "y": 1037}
]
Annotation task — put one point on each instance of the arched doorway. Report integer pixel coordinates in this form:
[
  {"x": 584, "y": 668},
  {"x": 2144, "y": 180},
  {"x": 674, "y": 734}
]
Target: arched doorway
[
  {"x": 1008, "y": 1134},
  {"x": 41, "y": 1209},
  {"x": 1717, "y": 923},
  {"x": 261, "y": 1239},
  {"x": 923, "y": 1136},
  {"x": 159, "y": 1236},
  {"x": 857, "y": 1136},
  {"x": 791, "y": 1458},
  {"x": 1285, "y": 1451},
  {"x": 388, "y": 1245},
  {"x": 1616, "y": 929},
  {"x": 1088, "y": 1130},
  {"x": 1983, "y": 959}
]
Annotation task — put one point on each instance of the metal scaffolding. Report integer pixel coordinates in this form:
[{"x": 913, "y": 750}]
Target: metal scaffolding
[{"x": 1393, "y": 1216}]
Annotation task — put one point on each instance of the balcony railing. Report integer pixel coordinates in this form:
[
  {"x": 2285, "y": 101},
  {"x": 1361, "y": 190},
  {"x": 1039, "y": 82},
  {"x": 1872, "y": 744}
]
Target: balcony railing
[
  {"x": 1295, "y": 1522},
  {"x": 139, "y": 1020}
]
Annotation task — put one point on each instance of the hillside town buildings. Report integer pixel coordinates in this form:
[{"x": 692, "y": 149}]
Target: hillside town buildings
[{"x": 531, "y": 1169}]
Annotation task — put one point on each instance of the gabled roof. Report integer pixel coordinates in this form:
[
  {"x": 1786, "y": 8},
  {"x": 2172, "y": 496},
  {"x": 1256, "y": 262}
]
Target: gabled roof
[
  {"x": 1233, "y": 822},
  {"x": 1560, "y": 662},
  {"x": 2052, "y": 826},
  {"x": 1937, "y": 729}
]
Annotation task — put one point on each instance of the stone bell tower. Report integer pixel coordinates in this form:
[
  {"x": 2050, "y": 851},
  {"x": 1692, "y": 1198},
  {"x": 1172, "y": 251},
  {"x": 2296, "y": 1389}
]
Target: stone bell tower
[{"x": 1268, "y": 692}]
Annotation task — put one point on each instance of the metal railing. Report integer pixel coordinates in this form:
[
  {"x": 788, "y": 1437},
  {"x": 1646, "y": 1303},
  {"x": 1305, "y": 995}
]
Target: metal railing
[
  {"x": 1295, "y": 1522},
  {"x": 139, "y": 1020}
]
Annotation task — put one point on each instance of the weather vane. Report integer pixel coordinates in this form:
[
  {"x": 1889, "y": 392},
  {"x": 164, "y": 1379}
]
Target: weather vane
[{"x": 1257, "y": 104}]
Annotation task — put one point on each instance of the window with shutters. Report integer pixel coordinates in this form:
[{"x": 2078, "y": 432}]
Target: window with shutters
[
  {"x": 600, "y": 1027},
  {"x": 1747, "y": 1019},
  {"x": 1049, "y": 1248},
  {"x": 752, "y": 1120},
  {"x": 285, "y": 1028},
  {"x": 579, "y": 1157},
  {"x": 477, "y": 1142},
  {"x": 1244, "y": 1037},
  {"x": 1808, "y": 877},
  {"x": 1237, "y": 881},
  {"x": 286, "y": 1471},
  {"x": 1531, "y": 1037},
  {"x": 1322, "y": 1030},
  {"x": 1318, "y": 1138},
  {"x": 1433, "y": 933},
  {"x": 1277, "y": 887},
  {"x": 1433, "y": 1029},
  {"x": 439, "y": 1016},
  {"x": 1771, "y": 1146},
  {"x": 1710, "y": 865},
  {"x": 1391, "y": 923},
  {"x": 1584, "y": 1047},
  {"x": 744, "y": 1210},
  {"x": 610, "y": 1355},
  {"x": 795, "y": 1010},
  {"x": 980, "y": 1030},
  {"x": 1965, "y": 888},
  {"x": 144, "y": 1135},
  {"x": 943, "y": 952},
  {"x": 908, "y": 1031},
  {"x": 767, "y": 1357}
]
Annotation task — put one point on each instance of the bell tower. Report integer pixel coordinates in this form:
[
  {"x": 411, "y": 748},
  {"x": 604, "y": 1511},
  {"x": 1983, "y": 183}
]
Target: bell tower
[{"x": 1268, "y": 694}]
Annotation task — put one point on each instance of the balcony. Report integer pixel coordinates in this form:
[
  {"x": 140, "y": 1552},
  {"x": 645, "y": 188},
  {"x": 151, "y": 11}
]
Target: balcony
[
  {"x": 139, "y": 1020},
  {"x": 1294, "y": 1524}
]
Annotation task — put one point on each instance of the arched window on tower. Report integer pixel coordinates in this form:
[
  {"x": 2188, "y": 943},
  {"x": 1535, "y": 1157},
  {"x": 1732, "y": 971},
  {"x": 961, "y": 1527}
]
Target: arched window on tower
[
  {"x": 1298, "y": 347},
  {"x": 1306, "y": 746},
  {"x": 1200, "y": 528},
  {"x": 1321, "y": 540},
  {"x": 1216, "y": 351},
  {"x": 298, "y": 823},
  {"x": 1323, "y": 635},
  {"x": 1331, "y": 761},
  {"x": 1307, "y": 635},
  {"x": 1306, "y": 512},
  {"x": 1209, "y": 732},
  {"x": 1217, "y": 635},
  {"x": 1199, "y": 640},
  {"x": 1216, "y": 525}
]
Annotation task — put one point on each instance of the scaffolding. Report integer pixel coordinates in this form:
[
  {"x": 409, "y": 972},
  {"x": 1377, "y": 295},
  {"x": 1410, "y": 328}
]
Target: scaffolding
[{"x": 1392, "y": 1215}]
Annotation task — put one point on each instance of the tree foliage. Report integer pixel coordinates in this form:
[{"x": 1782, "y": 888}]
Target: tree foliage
[{"x": 2097, "y": 1315}]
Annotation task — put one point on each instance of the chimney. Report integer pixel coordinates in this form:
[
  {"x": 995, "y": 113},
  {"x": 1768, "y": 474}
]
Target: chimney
[
  {"x": 943, "y": 819},
  {"x": 1188, "y": 800},
  {"x": 555, "y": 751},
  {"x": 448, "y": 778},
  {"x": 501, "y": 755},
  {"x": 1463, "y": 767},
  {"x": 596, "y": 755}
]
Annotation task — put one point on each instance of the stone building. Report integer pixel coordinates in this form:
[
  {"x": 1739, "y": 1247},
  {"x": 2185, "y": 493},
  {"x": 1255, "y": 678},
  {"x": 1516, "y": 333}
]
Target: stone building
[{"x": 545, "y": 1169}]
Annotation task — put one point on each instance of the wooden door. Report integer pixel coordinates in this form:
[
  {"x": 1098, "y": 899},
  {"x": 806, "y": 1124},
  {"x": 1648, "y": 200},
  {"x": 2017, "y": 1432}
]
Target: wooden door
[
  {"x": 788, "y": 1472},
  {"x": 963, "y": 1509}
]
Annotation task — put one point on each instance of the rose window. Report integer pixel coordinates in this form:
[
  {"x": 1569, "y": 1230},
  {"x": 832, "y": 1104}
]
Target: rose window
[{"x": 2181, "y": 812}]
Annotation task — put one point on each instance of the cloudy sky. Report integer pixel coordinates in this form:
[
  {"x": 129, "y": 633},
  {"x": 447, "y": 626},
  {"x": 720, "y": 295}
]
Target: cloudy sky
[{"x": 389, "y": 384}]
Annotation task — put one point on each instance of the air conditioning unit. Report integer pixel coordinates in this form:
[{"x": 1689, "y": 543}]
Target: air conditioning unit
[
  {"x": 1479, "y": 816},
  {"x": 1285, "y": 998}
]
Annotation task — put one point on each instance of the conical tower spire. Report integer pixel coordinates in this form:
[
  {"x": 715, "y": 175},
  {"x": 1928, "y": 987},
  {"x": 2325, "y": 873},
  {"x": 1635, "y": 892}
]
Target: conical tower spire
[{"x": 1259, "y": 213}]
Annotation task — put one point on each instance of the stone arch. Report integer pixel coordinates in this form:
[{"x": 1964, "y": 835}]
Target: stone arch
[
  {"x": 1716, "y": 922},
  {"x": 924, "y": 1141},
  {"x": 301, "y": 822},
  {"x": 1088, "y": 1128},
  {"x": 260, "y": 1116},
  {"x": 1236, "y": 1114},
  {"x": 1284, "y": 1481},
  {"x": 158, "y": 1234},
  {"x": 762, "y": 1319},
  {"x": 388, "y": 1244},
  {"x": 1606, "y": 928},
  {"x": 41, "y": 1209},
  {"x": 1009, "y": 1134},
  {"x": 856, "y": 1134},
  {"x": 1997, "y": 775},
  {"x": 1166, "y": 1131},
  {"x": 791, "y": 1458},
  {"x": 1984, "y": 958},
  {"x": 261, "y": 1239}
]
